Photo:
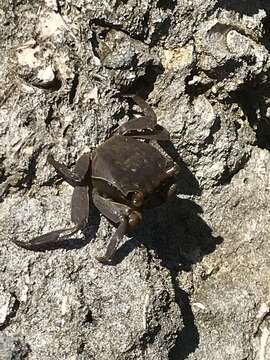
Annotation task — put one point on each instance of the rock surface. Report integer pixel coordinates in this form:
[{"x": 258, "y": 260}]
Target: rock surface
[{"x": 193, "y": 282}]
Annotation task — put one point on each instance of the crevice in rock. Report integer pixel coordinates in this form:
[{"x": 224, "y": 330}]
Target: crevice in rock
[
  {"x": 161, "y": 31},
  {"x": 95, "y": 44},
  {"x": 145, "y": 25},
  {"x": 242, "y": 6},
  {"x": 81, "y": 348},
  {"x": 52, "y": 85},
  {"x": 27, "y": 181},
  {"x": 49, "y": 116},
  {"x": 195, "y": 89},
  {"x": 12, "y": 313},
  {"x": 150, "y": 336},
  {"x": 166, "y": 4},
  {"x": 222, "y": 72},
  {"x": 214, "y": 129},
  {"x": 88, "y": 317},
  {"x": 228, "y": 174},
  {"x": 266, "y": 26},
  {"x": 3, "y": 175},
  {"x": 6, "y": 95},
  {"x": 252, "y": 99},
  {"x": 144, "y": 84},
  {"x": 108, "y": 25},
  {"x": 74, "y": 87}
]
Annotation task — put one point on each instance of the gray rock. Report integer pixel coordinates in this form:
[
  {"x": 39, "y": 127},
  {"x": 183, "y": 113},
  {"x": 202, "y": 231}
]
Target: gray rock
[
  {"x": 12, "y": 348},
  {"x": 193, "y": 282}
]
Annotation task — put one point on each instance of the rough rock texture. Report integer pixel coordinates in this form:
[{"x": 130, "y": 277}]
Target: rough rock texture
[{"x": 193, "y": 281}]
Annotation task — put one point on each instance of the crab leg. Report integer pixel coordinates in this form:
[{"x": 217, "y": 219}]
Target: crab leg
[
  {"x": 46, "y": 240},
  {"x": 146, "y": 108},
  {"x": 79, "y": 214},
  {"x": 144, "y": 127},
  {"x": 73, "y": 178},
  {"x": 114, "y": 241},
  {"x": 123, "y": 215}
]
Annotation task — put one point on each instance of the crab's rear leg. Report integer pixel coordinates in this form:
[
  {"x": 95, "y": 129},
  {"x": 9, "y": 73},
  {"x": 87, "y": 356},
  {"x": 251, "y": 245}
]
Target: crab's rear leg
[
  {"x": 73, "y": 178},
  {"x": 79, "y": 211},
  {"x": 145, "y": 107},
  {"x": 144, "y": 127},
  {"x": 126, "y": 218}
]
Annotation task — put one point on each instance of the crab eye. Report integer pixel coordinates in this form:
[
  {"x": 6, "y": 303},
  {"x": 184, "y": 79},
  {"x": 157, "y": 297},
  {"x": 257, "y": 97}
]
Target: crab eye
[
  {"x": 134, "y": 219},
  {"x": 137, "y": 199}
]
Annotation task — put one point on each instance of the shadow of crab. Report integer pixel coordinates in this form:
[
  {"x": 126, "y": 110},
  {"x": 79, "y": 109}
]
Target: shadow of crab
[
  {"x": 179, "y": 237},
  {"x": 176, "y": 233}
]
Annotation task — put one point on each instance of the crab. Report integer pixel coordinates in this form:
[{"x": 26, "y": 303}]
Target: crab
[{"x": 123, "y": 176}]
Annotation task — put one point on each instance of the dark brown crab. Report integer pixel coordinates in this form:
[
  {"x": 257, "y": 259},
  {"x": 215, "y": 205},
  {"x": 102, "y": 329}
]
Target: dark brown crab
[{"x": 124, "y": 175}]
